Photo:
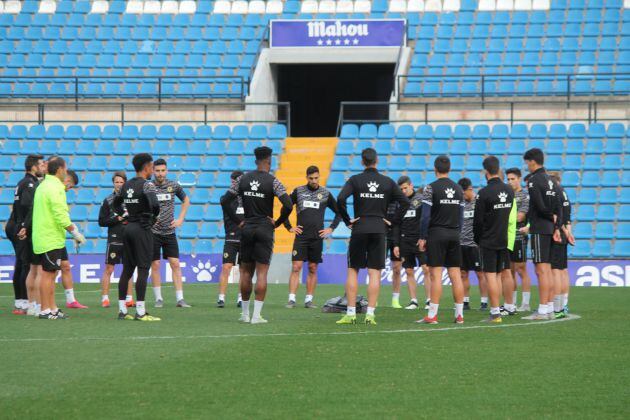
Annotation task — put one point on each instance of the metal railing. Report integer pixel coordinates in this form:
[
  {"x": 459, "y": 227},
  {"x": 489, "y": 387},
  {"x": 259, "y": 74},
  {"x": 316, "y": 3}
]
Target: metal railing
[
  {"x": 139, "y": 112},
  {"x": 587, "y": 111},
  {"x": 489, "y": 85}
]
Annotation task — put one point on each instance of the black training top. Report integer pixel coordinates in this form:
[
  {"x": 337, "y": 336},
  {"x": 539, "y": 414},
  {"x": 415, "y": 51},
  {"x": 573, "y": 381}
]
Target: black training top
[
  {"x": 543, "y": 203},
  {"x": 443, "y": 202},
  {"x": 372, "y": 193},
  {"x": 311, "y": 205},
  {"x": 108, "y": 217},
  {"x": 410, "y": 225},
  {"x": 138, "y": 196},
  {"x": 22, "y": 212},
  {"x": 492, "y": 214},
  {"x": 232, "y": 230}
]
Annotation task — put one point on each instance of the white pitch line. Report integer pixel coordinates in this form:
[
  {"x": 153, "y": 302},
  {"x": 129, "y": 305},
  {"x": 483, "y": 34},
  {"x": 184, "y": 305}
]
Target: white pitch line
[{"x": 571, "y": 317}]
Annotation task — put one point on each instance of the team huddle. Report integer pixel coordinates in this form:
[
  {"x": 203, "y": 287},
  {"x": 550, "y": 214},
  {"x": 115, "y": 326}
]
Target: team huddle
[{"x": 445, "y": 225}]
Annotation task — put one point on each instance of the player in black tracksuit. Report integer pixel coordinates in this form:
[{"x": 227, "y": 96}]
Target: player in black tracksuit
[
  {"x": 311, "y": 201},
  {"x": 406, "y": 237},
  {"x": 559, "y": 251},
  {"x": 440, "y": 227},
  {"x": 372, "y": 193},
  {"x": 257, "y": 189},
  {"x": 544, "y": 223},
  {"x": 395, "y": 261},
  {"x": 18, "y": 230},
  {"x": 115, "y": 224},
  {"x": 491, "y": 226},
  {"x": 138, "y": 197},
  {"x": 232, "y": 244}
]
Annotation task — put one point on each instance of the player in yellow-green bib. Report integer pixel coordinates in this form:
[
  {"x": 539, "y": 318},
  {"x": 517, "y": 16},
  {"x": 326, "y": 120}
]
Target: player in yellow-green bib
[{"x": 51, "y": 220}]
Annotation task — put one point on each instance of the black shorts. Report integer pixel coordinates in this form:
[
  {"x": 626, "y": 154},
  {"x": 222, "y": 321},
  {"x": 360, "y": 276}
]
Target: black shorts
[
  {"x": 51, "y": 260},
  {"x": 165, "y": 246},
  {"x": 114, "y": 253},
  {"x": 307, "y": 249},
  {"x": 138, "y": 246},
  {"x": 541, "y": 248},
  {"x": 494, "y": 260},
  {"x": 367, "y": 250},
  {"x": 257, "y": 241},
  {"x": 559, "y": 257},
  {"x": 390, "y": 251},
  {"x": 231, "y": 251},
  {"x": 470, "y": 258},
  {"x": 23, "y": 250},
  {"x": 444, "y": 250},
  {"x": 519, "y": 254},
  {"x": 410, "y": 254}
]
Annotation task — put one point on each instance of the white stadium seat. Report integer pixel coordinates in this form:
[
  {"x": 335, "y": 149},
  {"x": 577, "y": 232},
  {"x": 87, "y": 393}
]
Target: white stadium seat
[
  {"x": 1, "y": 6},
  {"x": 452, "y": 5},
  {"x": 362, "y": 6},
  {"x": 12, "y": 6},
  {"x": 274, "y": 7},
  {"x": 309, "y": 6},
  {"x": 626, "y": 4},
  {"x": 135, "y": 7},
  {"x": 415, "y": 6},
  {"x": 188, "y": 7},
  {"x": 398, "y": 6},
  {"x": 522, "y": 4},
  {"x": 345, "y": 6},
  {"x": 505, "y": 5},
  {"x": 100, "y": 6},
  {"x": 152, "y": 7},
  {"x": 327, "y": 6},
  {"x": 433, "y": 6},
  {"x": 239, "y": 7},
  {"x": 170, "y": 7},
  {"x": 222, "y": 7},
  {"x": 541, "y": 5},
  {"x": 487, "y": 5},
  {"x": 47, "y": 6},
  {"x": 256, "y": 7}
]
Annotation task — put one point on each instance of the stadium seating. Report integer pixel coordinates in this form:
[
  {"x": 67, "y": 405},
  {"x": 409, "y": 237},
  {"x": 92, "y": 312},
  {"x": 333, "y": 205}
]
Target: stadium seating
[{"x": 592, "y": 158}]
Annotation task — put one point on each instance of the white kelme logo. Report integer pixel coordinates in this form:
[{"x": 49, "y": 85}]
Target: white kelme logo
[
  {"x": 129, "y": 193},
  {"x": 502, "y": 197},
  {"x": 372, "y": 186},
  {"x": 254, "y": 185},
  {"x": 550, "y": 185},
  {"x": 449, "y": 192}
]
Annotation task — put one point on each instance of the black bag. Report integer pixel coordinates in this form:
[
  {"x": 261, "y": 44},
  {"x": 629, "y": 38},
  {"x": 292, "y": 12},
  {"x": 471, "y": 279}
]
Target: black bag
[{"x": 339, "y": 305}]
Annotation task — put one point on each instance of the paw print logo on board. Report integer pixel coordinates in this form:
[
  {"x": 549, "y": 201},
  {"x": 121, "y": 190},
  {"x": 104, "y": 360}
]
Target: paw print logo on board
[{"x": 204, "y": 271}]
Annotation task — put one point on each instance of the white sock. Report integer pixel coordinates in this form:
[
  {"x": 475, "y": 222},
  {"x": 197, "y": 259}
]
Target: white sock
[
  {"x": 351, "y": 310},
  {"x": 557, "y": 303},
  {"x": 514, "y": 297},
  {"x": 245, "y": 308},
  {"x": 221, "y": 296},
  {"x": 308, "y": 298},
  {"x": 157, "y": 292},
  {"x": 526, "y": 296},
  {"x": 433, "y": 309},
  {"x": 240, "y": 298},
  {"x": 542, "y": 309},
  {"x": 395, "y": 296},
  {"x": 258, "y": 304},
  {"x": 565, "y": 299},
  {"x": 140, "y": 310},
  {"x": 370, "y": 311},
  {"x": 179, "y": 295},
  {"x": 292, "y": 297},
  {"x": 122, "y": 307},
  {"x": 495, "y": 311},
  {"x": 38, "y": 307},
  {"x": 45, "y": 311},
  {"x": 550, "y": 307},
  {"x": 510, "y": 307},
  {"x": 32, "y": 304},
  {"x": 459, "y": 310},
  {"x": 484, "y": 299},
  {"x": 128, "y": 298},
  {"x": 467, "y": 299},
  {"x": 414, "y": 300},
  {"x": 69, "y": 295},
  {"x": 104, "y": 298}
]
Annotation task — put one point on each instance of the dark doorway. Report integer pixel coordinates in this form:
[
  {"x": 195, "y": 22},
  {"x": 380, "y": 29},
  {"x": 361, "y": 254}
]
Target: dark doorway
[{"x": 316, "y": 90}]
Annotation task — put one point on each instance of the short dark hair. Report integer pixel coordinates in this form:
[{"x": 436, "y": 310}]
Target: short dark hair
[
  {"x": 442, "y": 164},
  {"x": 235, "y": 174},
  {"x": 54, "y": 164},
  {"x": 32, "y": 160},
  {"x": 369, "y": 156},
  {"x": 140, "y": 160},
  {"x": 465, "y": 183},
  {"x": 491, "y": 164},
  {"x": 404, "y": 180},
  {"x": 262, "y": 152},
  {"x": 159, "y": 162},
  {"x": 514, "y": 171},
  {"x": 74, "y": 176},
  {"x": 312, "y": 170},
  {"x": 119, "y": 174},
  {"x": 536, "y": 155}
]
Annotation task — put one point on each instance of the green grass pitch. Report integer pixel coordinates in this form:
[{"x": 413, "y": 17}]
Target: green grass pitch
[{"x": 201, "y": 363}]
